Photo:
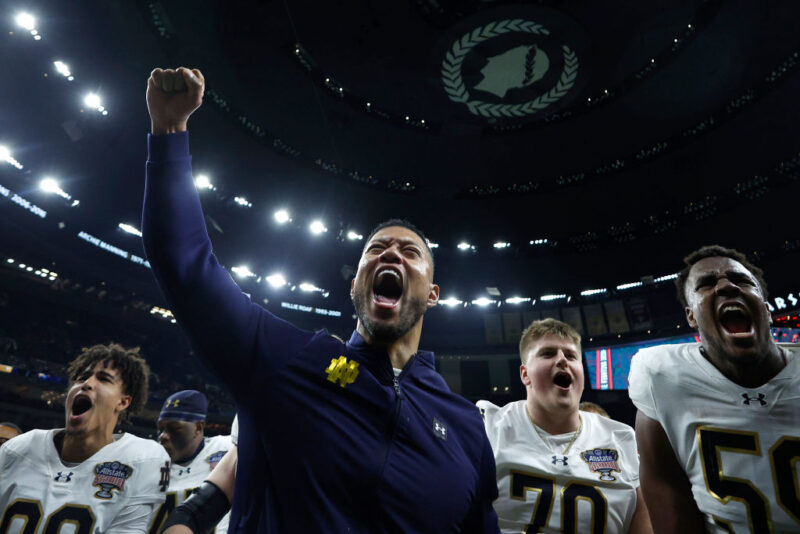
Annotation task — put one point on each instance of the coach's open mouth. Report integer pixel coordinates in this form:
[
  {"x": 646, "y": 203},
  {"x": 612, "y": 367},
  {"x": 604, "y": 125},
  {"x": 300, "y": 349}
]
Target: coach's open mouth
[
  {"x": 387, "y": 287},
  {"x": 735, "y": 319}
]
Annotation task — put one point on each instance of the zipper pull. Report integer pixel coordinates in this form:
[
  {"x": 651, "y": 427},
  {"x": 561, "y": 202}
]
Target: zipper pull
[{"x": 396, "y": 386}]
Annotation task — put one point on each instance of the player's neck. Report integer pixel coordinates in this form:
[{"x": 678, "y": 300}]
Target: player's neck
[
  {"x": 553, "y": 422},
  {"x": 748, "y": 375},
  {"x": 196, "y": 449},
  {"x": 75, "y": 448}
]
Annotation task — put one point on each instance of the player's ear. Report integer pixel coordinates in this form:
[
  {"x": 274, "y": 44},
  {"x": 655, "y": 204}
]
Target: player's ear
[
  {"x": 523, "y": 375},
  {"x": 199, "y": 426},
  {"x": 690, "y": 317},
  {"x": 769, "y": 313},
  {"x": 124, "y": 402},
  {"x": 352, "y": 286}
]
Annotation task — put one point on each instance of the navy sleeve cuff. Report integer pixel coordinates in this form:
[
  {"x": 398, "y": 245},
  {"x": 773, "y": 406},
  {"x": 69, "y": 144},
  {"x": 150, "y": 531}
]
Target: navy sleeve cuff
[{"x": 169, "y": 147}]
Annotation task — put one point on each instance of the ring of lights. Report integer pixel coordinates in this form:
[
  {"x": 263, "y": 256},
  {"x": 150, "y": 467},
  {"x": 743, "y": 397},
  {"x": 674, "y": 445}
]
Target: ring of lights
[{"x": 457, "y": 91}]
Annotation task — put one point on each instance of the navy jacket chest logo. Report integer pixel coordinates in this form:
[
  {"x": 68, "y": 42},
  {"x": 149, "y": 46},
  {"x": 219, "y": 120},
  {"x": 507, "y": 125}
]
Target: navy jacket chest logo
[{"x": 342, "y": 371}]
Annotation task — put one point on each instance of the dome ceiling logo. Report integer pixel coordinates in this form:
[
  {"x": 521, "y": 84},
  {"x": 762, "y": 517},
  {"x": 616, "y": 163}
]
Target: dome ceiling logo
[{"x": 508, "y": 68}]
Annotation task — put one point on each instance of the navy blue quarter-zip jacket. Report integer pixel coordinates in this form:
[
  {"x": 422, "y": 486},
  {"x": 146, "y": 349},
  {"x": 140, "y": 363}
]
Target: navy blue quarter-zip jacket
[{"x": 329, "y": 439}]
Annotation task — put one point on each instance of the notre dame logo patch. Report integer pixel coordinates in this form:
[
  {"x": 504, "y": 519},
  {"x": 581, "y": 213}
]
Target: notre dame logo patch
[{"x": 342, "y": 371}]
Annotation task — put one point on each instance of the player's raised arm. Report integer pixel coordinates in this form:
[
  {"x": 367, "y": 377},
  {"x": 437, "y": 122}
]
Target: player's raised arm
[
  {"x": 666, "y": 489},
  {"x": 225, "y": 327}
]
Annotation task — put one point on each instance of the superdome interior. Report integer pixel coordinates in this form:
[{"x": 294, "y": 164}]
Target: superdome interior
[{"x": 547, "y": 148}]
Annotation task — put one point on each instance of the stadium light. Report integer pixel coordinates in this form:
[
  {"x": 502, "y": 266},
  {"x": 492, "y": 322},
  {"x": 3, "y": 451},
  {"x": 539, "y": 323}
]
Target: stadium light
[
  {"x": 26, "y": 21},
  {"x": 537, "y": 242},
  {"x": 517, "y": 300},
  {"x": 242, "y": 202},
  {"x": 317, "y": 227},
  {"x": 5, "y": 155},
  {"x": 243, "y": 271},
  {"x": 202, "y": 182},
  {"x": 450, "y": 302},
  {"x": 666, "y": 277},
  {"x": 628, "y": 285},
  {"x": 553, "y": 297},
  {"x": 590, "y": 292},
  {"x": 309, "y": 288},
  {"x": 483, "y": 302},
  {"x": 502, "y": 244},
  {"x": 465, "y": 246},
  {"x": 63, "y": 69},
  {"x": 282, "y": 217},
  {"x": 49, "y": 185},
  {"x": 130, "y": 229},
  {"x": 276, "y": 280},
  {"x": 353, "y": 236},
  {"x": 433, "y": 245},
  {"x": 92, "y": 100}
]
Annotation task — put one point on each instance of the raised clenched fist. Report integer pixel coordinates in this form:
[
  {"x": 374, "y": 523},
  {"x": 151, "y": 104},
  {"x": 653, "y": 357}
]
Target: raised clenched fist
[{"x": 172, "y": 95}]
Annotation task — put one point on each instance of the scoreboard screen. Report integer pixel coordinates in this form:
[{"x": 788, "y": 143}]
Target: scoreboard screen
[{"x": 609, "y": 366}]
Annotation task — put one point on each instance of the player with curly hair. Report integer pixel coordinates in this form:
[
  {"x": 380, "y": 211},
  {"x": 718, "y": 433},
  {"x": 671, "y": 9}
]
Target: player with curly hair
[{"x": 83, "y": 474}]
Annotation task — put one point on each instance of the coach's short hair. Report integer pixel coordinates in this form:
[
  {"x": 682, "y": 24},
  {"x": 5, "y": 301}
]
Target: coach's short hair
[
  {"x": 539, "y": 329},
  {"x": 132, "y": 368},
  {"x": 404, "y": 224},
  {"x": 716, "y": 251}
]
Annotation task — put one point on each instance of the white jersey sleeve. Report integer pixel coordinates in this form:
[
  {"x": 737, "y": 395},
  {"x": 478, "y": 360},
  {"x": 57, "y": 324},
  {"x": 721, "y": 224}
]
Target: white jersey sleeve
[
  {"x": 590, "y": 489},
  {"x": 235, "y": 430},
  {"x": 133, "y": 519},
  {"x": 739, "y": 447},
  {"x": 36, "y": 488},
  {"x": 639, "y": 379},
  {"x": 185, "y": 478}
]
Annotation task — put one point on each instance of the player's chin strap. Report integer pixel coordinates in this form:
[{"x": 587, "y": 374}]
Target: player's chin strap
[{"x": 202, "y": 511}]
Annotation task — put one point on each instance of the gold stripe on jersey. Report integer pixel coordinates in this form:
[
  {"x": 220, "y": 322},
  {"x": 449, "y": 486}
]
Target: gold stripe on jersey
[
  {"x": 759, "y": 518},
  {"x": 78, "y": 515},
  {"x": 783, "y": 458},
  {"x": 22, "y": 508},
  {"x": 521, "y": 483},
  {"x": 724, "y": 523},
  {"x": 571, "y": 494}
]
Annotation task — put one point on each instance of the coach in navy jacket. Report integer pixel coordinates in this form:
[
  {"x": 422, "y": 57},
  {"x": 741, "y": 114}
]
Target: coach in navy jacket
[{"x": 333, "y": 436}]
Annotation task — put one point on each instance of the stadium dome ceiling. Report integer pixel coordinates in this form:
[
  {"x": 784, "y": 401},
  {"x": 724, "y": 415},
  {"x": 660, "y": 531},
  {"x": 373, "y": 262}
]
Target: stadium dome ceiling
[{"x": 625, "y": 133}]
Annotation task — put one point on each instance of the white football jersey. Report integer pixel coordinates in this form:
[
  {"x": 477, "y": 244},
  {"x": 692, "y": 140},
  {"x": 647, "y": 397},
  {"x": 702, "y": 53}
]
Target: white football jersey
[
  {"x": 739, "y": 447},
  {"x": 591, "y": 489},
  {"x": 235, "y": 430},
  {"x": 184, "y": 479},
  {"x": 38, "y": 494}
]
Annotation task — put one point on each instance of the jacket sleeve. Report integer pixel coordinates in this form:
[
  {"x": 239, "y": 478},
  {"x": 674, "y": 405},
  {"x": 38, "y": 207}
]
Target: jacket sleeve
[
  {"x": 482, "y": 518},
  {"x": 241, "y": 341}
]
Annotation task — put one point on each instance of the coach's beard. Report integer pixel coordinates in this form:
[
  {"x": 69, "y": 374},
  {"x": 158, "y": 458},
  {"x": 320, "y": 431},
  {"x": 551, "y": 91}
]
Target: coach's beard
[{"x": 382, "y": 334}]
